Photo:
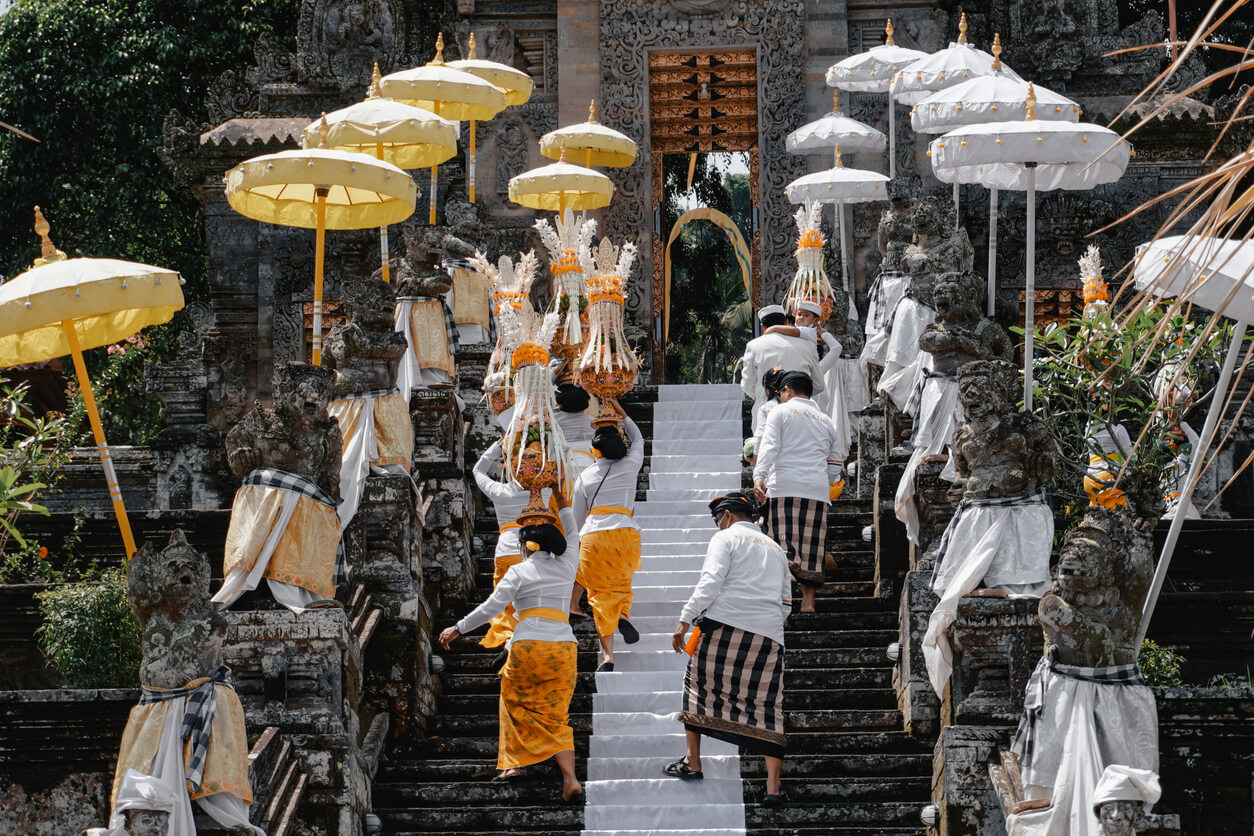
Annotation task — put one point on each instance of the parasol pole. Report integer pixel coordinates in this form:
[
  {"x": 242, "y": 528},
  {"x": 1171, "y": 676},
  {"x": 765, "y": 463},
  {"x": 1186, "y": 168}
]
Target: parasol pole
[
  {"x": 319, "y": 254},
  {"x": 892, "y": 136},
  {"x": 1029, "y": 306},
  {"x": 97, "y": 430},
  {"x": 844, "y": 247},
  {"x": 992, "y": 250},
  {"x": 1195, "y": 472},
  {"x": 470, "y": 176},
  {"x": 434, "y": 176},
  {"x": 383, "y": 230},
  {"x": 957, "y": 217}
]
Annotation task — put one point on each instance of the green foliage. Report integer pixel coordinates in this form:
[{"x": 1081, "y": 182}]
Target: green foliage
[
  {"x": 35, "y": 563},
  {"x": 1160, "y": 665},
  {"x": 131, "y": 414},
  {"x": 90, "y": 634},
  {"x": 1099, "y": 372}
]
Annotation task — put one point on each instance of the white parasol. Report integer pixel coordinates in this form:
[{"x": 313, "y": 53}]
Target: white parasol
[
  {"x": 835, "y": 129},
  {"x": 872, "y": 72},
  {"x": 1214, "y": 273},
  {"x": 839, "y": 185},
  {"x": 1028, "y": 156},
  {"x": 999, "y": 97}
]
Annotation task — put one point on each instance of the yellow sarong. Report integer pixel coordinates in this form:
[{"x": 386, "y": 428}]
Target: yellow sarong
[
  {"x": 536, "y": 686},
  {"x": 502, "y": 626},
  {"x": 305, "y": 553},
  {"x": 428, "y": 335},
  {"x": 472, "y": 299},
  {"x": 226, "y": 759},
  {"x": 393, "y": 428},
  {"x": 607, "y": 562}
]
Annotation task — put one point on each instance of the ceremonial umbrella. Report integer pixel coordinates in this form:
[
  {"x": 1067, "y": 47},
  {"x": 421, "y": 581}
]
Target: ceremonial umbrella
[
  {"x": 320, "y": 189},
  {"x": 559, "y": 186},
  {"x": 453, "y": 94},
  {"x": 997, "y": 97},
  {"x": 1027, "y": 156},
  {"x": 1214, "y": 273},
  {"x": 516, "y": 84},
  {"x": 405, "y": 136},
  {"x": 601, "y": 145},
  {"x": 872, "y": 72},
  {"x": 835, "y": 129},
  {"x": 839, "y": 185},
  {"x": 65, "y": 305}
]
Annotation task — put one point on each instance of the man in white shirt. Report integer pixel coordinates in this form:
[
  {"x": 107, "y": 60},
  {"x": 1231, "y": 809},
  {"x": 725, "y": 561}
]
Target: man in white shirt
[
  {"x": 734, "y": 687},
  {"x": 770, "y": 350},
  {"x": 801, "y": 456}
]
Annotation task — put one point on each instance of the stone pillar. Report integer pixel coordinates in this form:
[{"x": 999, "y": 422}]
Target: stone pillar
[
  {"x": 578, "y": 58},
  {"x": 996, "y": 642},
  {"x": 961, "y": 788},
  {"x": 920, "y": 709}
]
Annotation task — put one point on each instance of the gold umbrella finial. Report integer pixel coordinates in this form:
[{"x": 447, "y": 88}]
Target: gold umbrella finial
[
  {"x": 840, "y": 163},
  {"x": 997, "y": 51},
  {"x": 376, "y": 83},
  {"x": 962, "y": 29},
  {"x": 439, "y": 50},
  {"x": 888, "y": 32},
  {"x": 47, "y": 250},
  {"x": 835, "y": 101},
  {"x": 1030, "y": 101},
  {"x": 561, "y": 157},
  {"x": 592, "y": 111},
  {"x": 471, "y": 46},
  {"x": 323, "y": 130}
]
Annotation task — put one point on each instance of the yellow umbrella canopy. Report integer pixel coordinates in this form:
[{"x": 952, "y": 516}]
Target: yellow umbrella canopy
[
  {"x": 448, "y": 92},
  {"x": 560, "y": 186},
  {"x": 405, "y": 136},
  {"x": 320, "y": 189},
  {"x": 600, "y": 145},
  {"x": 65, "y": 305},
  {"x": 516, "y": 84}
]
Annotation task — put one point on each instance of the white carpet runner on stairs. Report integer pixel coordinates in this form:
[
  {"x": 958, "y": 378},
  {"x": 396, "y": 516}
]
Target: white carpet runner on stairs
[{"x": 696, "y": 456}]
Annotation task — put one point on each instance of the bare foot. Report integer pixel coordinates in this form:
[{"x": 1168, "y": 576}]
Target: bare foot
[{"x": 988, "y": 593}]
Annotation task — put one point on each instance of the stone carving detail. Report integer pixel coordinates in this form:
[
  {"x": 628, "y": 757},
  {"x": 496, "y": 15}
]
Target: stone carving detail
[
  {"x": 960, "y": 333},
  {"x": 337, "y": 41},
  {"x": 180, "y": 140},
  {"x": 938, "y": 248},
  {"x": 365, "y": 351},
  {"x": 511, "y": 150},
  {"x": 296, "y": 434},
  {"x": 229, "y": 98},
  {"x": 896, "y": 228},
  {"x": 275, "y": 62},
  {"x": 628, "y": 31}
]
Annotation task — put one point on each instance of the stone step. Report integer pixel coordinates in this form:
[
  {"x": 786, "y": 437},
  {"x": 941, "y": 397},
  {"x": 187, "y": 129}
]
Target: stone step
[
  {"x": 681, "y": 817},
  {"x": 699, "y": 392},
  {"x": 671, "y": 701},
  {"x": 671, "y": 412},
  {"x": 497, "y": 819}
]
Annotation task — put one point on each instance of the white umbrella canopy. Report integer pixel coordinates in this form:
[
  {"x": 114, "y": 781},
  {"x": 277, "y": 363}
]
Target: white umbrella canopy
[
  {"x": 872, "y": 72},
  {"x": 1214, "y": 273},
  {"x": 839, "y": 185},
  {"x": 992, "y": 98},
  {"x": 948, "y": 67},
  {"x": 835, "y": 129},
  {"x": 1029, "y": 156}
]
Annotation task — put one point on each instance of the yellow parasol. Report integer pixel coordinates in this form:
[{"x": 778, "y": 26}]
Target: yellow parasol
[
  {"x": 453, "y": 94},
  {"x": 516, "y": 84},
  {"x": 405, "y": 136},
  {"x": 560, "y": 186},
  {"x": 320, "y": 189},
  {"x": 601, "y": 146},
  {"x": 63, "y": 305}
]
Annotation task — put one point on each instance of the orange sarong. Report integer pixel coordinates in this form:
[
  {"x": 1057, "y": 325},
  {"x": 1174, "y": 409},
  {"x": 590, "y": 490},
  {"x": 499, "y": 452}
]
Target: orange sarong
[
  {"x": 536, "y": 686},
  {"x": 607, "y": 562}
]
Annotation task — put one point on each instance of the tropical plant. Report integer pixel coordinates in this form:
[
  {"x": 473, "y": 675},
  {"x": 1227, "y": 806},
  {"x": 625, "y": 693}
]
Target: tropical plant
[
  {"x": 90, "y": 634},
  {"x": 1160, "y": 665}
]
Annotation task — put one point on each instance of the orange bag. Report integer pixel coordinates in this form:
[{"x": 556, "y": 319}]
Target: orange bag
[{"x": 691, "y": 647}]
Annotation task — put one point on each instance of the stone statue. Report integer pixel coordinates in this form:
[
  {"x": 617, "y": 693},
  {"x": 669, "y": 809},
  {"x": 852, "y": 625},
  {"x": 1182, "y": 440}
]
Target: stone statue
[
  {"x": 365, "y": 351},
  {"x": 960, "y": 333},
  {"x": 422, "y": 314},
  {"x": 472, "y": 295},
  {"x": 289, "y": 458},
  {"x": 1086, "y": 705},
  {"x": 296, "y": 435},
  {"x": 938, "y": 247},
  {"x": 182, "y": 657},
  {"x": 1002, "y": 532},
  {"x": 896, "y": 229}
]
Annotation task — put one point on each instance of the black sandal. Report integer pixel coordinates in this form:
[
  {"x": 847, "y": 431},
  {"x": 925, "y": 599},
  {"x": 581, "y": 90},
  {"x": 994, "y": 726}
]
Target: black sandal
[
  {"x": 630, "y": 634},
  {"x": 606, "y": 667},
  {"x": 679, "y": 769},
  {"x": 775, "y": 800}
]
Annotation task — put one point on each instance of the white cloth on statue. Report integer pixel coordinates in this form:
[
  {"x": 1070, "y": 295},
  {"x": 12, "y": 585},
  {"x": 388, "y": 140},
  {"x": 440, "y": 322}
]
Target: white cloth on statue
[
  {"x": 792, "y": 354},
  {"x": 1174, "y": 479},
  {"x": 237, "y": 581},
  {"x": 887, "y": 291},
  {"x": 1127, "y": 783},
  {"x": 1002, "y": 543},
  {"x": 166, "y": 788},
  {"x": 410, "y": 375},
  {"x": 469, "y": 333},
  {"x": 940, "y": 412},
  {"x": 357, "y": 456},
  {"x": 1076, "y": 722},
  {"x": 901, "y": 359}
]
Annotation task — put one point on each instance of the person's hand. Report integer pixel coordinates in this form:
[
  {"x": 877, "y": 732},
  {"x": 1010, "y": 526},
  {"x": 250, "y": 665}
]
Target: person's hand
[
  {"x": 759, "y": 490},
  {"x": 448, "y": 637},
  {"x": 677, "y": 638},
  {"x": 560, "y": 497}
]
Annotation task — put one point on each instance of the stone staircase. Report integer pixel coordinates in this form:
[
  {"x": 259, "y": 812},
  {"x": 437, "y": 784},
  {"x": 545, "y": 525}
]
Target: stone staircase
[{"x": 850, "y": 769}]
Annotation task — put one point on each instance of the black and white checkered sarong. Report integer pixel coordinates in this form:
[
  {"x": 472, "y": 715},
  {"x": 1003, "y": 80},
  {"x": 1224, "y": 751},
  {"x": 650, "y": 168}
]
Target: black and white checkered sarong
[
  {"x": 1037, "y": 496},
  {"x": 270, "y": 477},
  {"x": 197, "y": 716},
  {"x": 800, "y": 527}
]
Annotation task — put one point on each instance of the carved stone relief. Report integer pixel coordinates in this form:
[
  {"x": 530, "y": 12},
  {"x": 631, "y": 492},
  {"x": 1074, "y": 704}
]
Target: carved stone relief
[{"x": 337, "y": 41}]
